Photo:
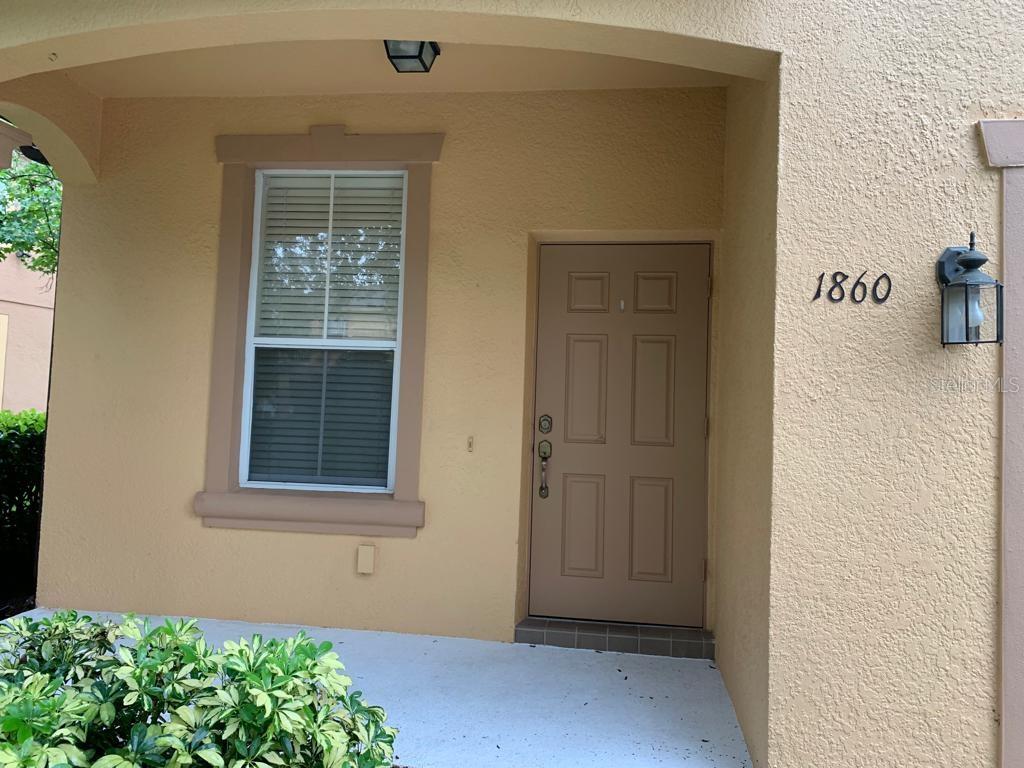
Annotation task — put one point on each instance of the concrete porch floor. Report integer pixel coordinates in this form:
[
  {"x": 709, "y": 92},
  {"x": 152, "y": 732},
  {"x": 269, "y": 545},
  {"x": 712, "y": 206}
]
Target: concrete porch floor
[{"x": 461, "y": 702}]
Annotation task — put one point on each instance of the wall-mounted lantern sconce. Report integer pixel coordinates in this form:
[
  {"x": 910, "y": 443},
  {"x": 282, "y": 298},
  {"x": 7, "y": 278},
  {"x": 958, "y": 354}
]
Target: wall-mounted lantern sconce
[
  {"x": 972, "y": 302},
  {"x": 412, "y": 55}
]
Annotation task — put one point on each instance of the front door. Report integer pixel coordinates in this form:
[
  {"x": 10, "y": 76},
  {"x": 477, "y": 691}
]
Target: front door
[{"x": 619, "y": 526}]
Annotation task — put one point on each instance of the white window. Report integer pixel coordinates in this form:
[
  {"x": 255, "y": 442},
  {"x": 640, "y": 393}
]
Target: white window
[{"x": 323, "y": 335}]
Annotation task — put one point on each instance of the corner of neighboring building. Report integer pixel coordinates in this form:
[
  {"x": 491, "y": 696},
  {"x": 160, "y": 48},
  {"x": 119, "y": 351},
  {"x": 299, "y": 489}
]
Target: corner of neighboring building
[{"x": 26, "y": 327}]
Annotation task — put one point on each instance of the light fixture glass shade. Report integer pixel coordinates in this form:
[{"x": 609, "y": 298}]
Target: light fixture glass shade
[
  {"x": 407, "y": 65},
  {"x": 430, "y": 52},
  {"x": 409, "y": 48},
  {"x": 412, "y": 55},
  {"x": 972, "y": 313}
]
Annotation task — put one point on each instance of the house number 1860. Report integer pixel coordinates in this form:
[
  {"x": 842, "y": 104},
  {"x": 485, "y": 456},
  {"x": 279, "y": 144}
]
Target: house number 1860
[{"x": 858, "y": 292}]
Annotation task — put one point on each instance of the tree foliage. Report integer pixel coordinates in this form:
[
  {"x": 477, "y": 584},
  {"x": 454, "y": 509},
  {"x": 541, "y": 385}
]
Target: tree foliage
[{"x": 30, "y": 200}]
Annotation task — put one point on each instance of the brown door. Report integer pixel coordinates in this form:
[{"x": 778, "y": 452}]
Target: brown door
[{"x": 621, "y": 372}]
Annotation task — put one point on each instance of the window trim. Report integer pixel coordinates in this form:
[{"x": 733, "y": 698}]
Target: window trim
[
  {"x": 252, "y": 341},
  {"x": 223, "y": 502}
]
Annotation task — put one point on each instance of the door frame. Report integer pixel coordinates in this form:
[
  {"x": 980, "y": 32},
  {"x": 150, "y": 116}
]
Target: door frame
[{"x": 535, "y": 240}]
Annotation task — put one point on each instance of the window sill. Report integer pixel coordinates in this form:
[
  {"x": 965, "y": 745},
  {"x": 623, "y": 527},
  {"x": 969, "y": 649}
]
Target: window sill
[{"x": 319, "y": 512}]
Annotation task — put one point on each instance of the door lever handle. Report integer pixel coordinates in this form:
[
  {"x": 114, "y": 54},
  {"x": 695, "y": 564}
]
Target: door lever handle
[{"x": 544, "y": 452}]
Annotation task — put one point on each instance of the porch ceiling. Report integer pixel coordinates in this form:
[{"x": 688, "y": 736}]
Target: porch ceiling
[
  {"x": 319, "y": 67},
  {"x": 498, "y": 705}
]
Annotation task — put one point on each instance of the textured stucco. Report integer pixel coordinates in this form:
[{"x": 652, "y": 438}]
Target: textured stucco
[
  {"x": 884, "y": 550},
  {"x": 743, "y": 339},
  {"x": 133, "y": 334},
  {"x": 882, "y": 630}
]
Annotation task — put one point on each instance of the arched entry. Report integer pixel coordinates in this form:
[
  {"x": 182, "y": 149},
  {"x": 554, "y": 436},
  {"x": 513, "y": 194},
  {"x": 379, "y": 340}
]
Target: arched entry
[
  {"x": 107, "y": 39},
  {"x": 34, "y": 127}
]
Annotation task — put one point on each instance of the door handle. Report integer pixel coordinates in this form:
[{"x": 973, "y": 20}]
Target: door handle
[{"x": 544, "y": 452}]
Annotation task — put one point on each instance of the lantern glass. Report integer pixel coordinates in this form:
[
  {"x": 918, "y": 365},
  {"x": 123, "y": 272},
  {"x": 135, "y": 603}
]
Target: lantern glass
[
  {"x": 972, "y": 313},
  {"x": 404, "y": 47},
  {"x": 412, "y": 55},
  {"x": 408, "y": 65},
  {"x": 429, "y": 53}
]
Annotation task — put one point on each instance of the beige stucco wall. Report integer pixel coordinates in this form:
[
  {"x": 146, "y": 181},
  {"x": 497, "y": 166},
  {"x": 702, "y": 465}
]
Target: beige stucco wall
[
  {"x": 741, "y": 436},
  {"x": 884, "y": 516},
  {"x": 884, "y": 551},
  {"x": 26, "y": 301},
  {"x": 133, "y": 335}
]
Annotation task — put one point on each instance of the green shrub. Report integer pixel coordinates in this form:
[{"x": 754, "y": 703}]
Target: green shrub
[
  {"x": 78, "y": 692},
  {"x": 22, "y": 444}
]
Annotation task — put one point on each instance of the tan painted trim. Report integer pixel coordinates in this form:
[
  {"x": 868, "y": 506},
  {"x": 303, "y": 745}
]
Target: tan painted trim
[
  {"x": 223, "y": 503},
  {"x": 303, "y": 508},
  {"x": 10, "y": 139},
  {"x": 535, "y": 240},
  {"x": 556, "y": 236},
  {"x": 414, "y": 333},
  {"x": 330, "y": 144},
  {"x": 1004, "y": 143},
  {"x": 1012, "y": 722},
  {"x": 224, "y": 424},
  {"x": 288, "y": 526}
]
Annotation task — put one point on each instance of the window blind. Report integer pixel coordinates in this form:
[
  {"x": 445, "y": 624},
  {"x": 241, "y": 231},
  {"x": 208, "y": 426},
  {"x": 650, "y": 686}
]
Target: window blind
[
  {"x": 325, "y": 328},
  {"x": 330, "y": 257},
  {"x": 321, "y": 416}
]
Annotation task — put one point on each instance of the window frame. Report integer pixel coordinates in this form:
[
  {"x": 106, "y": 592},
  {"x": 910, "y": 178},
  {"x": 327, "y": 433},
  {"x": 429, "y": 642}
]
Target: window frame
[
  {"x": 222, "y": 502},
  {"x": 252, "y": 342}
]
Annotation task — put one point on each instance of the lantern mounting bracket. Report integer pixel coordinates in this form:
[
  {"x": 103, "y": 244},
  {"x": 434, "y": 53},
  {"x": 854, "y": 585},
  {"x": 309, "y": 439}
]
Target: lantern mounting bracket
[{"x": 956, "y": 260}]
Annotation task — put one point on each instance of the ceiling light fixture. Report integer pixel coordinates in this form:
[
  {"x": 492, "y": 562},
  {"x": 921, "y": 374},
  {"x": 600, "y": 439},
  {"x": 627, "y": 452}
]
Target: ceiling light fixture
[{"x": 412, "y": 55}]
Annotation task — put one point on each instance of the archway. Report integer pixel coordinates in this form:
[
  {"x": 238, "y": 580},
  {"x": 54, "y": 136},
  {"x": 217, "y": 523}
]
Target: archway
[
  {"x": 63, "y": 152},
  {"x": 164, "y": 33}
]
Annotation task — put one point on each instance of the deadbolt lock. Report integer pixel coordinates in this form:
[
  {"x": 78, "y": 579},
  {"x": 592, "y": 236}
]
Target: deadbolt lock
[{"x": 544, "y": 424}]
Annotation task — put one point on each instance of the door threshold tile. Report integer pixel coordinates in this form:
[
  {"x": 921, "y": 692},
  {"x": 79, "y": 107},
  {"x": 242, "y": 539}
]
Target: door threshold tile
[{"x": 643, "y": 639}]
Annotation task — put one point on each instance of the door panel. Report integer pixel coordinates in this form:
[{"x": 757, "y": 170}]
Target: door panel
[
  {"x": 583, "y": 525},
  {"x": 650, "y": 528},
  {"x": 654, "y": 390},
  {"x": 586, "y": 373},
  {"x": 654, "y": 292},
  {"x": 588, "y": 291},
  {"x": 621, "y": 370}
]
